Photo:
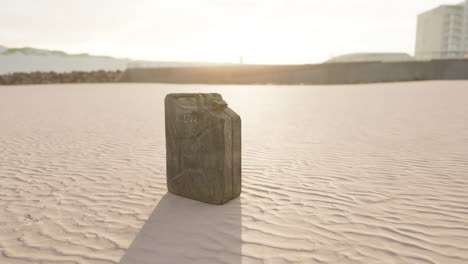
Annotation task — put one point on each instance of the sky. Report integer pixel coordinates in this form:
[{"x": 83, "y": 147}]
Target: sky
[{"x": 260, "y": 31}]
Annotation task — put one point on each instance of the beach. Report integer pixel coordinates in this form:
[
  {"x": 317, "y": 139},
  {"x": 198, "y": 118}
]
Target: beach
[{"x": 365, "y": 173}]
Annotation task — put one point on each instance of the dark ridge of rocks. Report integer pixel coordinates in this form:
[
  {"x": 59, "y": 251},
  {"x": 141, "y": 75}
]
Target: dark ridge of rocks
[{"x": 55, "y": 77}]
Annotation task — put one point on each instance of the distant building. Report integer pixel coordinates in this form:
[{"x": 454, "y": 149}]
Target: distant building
[
  {"x": 368, "y": 57},
  {"x": 442, "y": 32},
  {"x": 465, "y": 27}
]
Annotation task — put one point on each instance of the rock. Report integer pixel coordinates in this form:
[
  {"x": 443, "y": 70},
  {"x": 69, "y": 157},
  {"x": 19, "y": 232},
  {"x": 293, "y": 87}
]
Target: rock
[
  {"x": 53, "y": 77},
  {"x": 203, "y": 147}
]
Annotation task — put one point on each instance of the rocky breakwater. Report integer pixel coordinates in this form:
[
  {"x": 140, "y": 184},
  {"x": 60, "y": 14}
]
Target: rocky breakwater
[{"x": 55, "y": 77}]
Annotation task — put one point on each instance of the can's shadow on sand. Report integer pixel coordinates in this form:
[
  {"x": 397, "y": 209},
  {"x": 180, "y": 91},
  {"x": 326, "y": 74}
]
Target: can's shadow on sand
[{"x": 181, "y": 230}]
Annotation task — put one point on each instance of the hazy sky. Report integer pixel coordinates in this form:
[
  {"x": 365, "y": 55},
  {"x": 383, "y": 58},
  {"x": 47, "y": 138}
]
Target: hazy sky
[{"x": 262, "y": 31}]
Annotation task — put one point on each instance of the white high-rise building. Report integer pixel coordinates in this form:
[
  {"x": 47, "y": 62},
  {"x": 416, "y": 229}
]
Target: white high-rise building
[
  {"x": 442, "y": 32},
  {"x": 465, "y": 27}
]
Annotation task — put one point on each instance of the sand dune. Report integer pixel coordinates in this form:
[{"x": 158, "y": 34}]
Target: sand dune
[{"x": 331, "y": 174}]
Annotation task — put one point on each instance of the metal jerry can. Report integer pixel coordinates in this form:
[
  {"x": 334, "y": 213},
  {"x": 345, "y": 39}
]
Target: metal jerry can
[{"x": 203, "y": 147}]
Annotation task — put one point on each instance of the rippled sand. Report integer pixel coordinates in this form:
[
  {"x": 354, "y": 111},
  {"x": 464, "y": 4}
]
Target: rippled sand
[{"x": 331, "y": 174}]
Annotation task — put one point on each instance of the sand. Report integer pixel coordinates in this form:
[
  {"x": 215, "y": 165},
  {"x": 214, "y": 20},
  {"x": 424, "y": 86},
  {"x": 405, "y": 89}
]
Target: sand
[{"x": 331, "y": 174}]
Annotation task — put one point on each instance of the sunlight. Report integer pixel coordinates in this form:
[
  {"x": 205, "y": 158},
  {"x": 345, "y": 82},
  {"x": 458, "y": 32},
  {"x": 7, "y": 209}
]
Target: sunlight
[{"x": 255, "y": 45}]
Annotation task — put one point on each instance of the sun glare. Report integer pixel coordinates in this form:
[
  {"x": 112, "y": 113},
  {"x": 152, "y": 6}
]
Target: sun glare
[{"x": 253, "y": 45}]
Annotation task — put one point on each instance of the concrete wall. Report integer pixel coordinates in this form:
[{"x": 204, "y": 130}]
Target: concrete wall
[{"x": 332, "y": 73}]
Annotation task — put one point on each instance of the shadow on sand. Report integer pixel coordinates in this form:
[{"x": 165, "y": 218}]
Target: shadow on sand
[{"x": 181, "y": 230}]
